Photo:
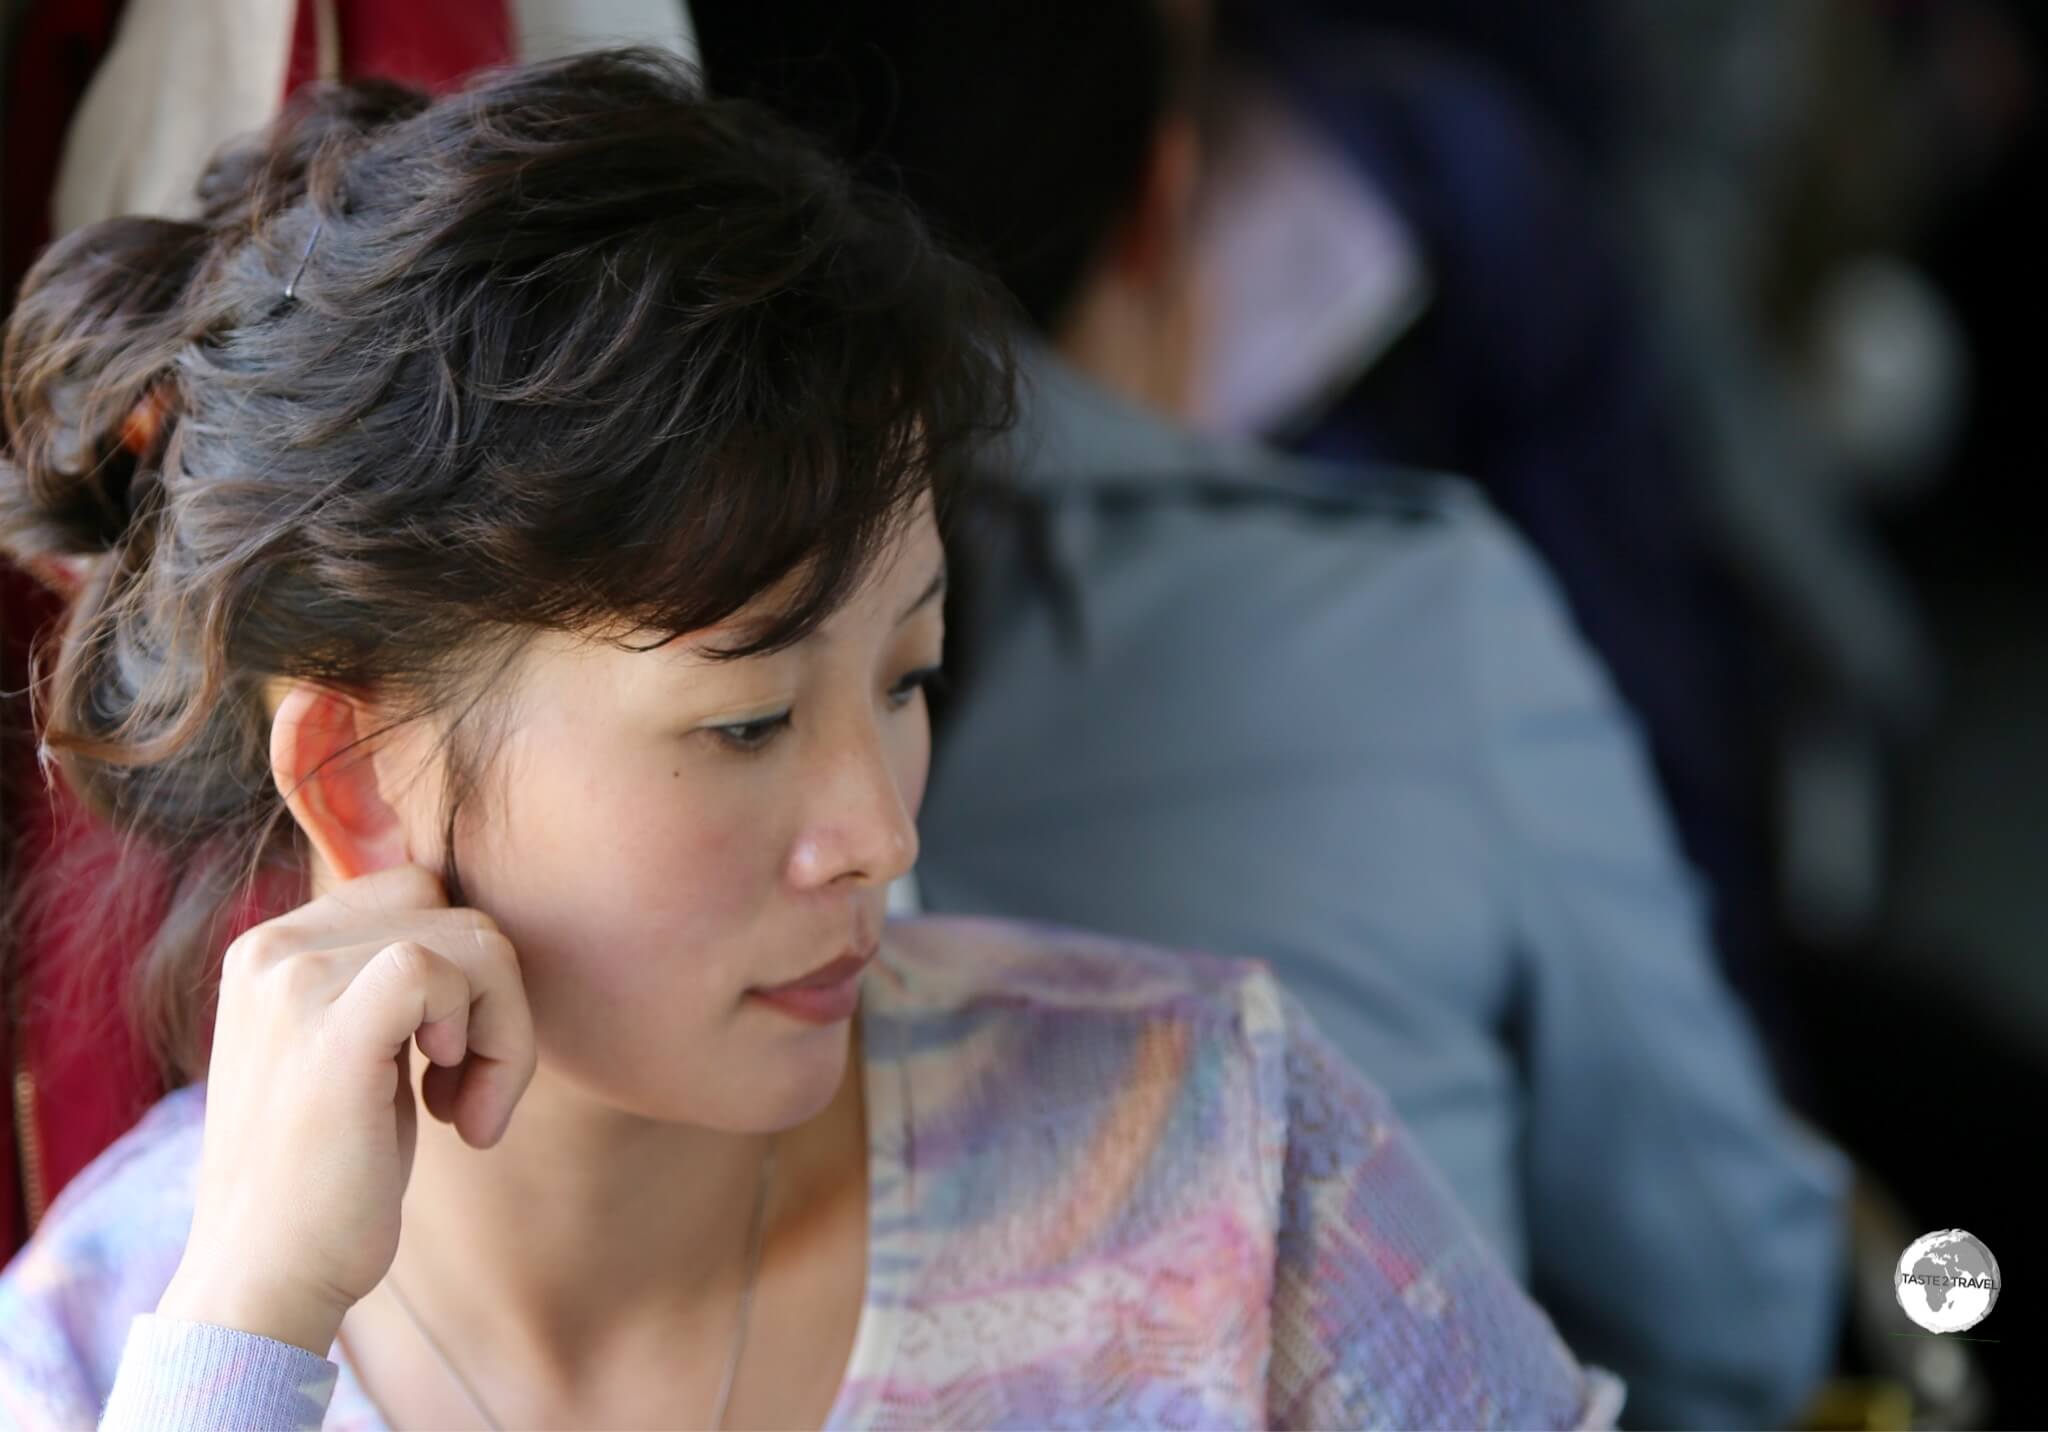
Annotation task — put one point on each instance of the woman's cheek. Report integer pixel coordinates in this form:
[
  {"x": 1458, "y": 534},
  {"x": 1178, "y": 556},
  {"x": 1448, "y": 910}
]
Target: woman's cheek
[
  {"x": 595, "y": 860},
  {"x": 913, "y": 760}
]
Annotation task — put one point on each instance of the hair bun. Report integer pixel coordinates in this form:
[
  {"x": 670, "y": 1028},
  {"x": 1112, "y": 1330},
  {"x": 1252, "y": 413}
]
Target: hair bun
[
  {"x": 87, "y": 384},
  {"x": 83, "y": 383}
]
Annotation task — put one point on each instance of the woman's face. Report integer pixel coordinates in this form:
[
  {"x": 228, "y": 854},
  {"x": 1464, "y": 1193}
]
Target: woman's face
[{"x": 668, "y": 835}]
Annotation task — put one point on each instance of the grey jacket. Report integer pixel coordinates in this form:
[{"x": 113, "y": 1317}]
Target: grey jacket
[{"x": 1215, "y": 697}]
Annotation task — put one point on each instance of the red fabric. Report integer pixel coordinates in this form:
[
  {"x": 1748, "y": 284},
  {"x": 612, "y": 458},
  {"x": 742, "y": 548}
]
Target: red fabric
[
  {"x": 91, "y": 1077},
  {"x": 23, "y": 607},
  {"x": 431, "y": 47},
  {"x": 57, "y": 46}
]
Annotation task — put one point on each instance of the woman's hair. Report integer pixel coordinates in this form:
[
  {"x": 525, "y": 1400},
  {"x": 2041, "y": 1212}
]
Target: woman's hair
[{"x": 575, "y": 349}]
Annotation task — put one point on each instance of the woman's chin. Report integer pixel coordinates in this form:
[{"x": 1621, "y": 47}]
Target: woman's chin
[{"x": 778, "y": 1085}]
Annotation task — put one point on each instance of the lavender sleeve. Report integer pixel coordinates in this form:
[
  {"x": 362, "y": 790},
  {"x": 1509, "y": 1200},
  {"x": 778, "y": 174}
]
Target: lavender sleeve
[
  {"x": 1388, "y": 1308},
  {"x": 193, "y": 1377}
]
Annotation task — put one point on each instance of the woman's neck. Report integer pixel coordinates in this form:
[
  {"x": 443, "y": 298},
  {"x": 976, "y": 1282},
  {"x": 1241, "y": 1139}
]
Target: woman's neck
[{"x": 587, "y": 1228}]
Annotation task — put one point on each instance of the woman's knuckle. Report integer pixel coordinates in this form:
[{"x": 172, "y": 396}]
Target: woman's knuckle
[
  {"x": 304, "y": 972},
  {"x": 238, "y": 962},
  {"x": 495, "y": 948},
  {"x": 406, "y": 958},
  {"x": 252, "y": 951}
]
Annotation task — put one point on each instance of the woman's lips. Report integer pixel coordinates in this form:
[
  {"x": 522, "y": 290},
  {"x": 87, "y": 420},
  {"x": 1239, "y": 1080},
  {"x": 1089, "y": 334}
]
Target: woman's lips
[{"x": 826, "y": 995}]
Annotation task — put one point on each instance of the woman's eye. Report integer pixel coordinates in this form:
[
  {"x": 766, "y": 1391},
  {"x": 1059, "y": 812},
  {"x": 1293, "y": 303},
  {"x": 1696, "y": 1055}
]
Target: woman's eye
[
  {"x": 927, "y": 679},
  {"x": 747, "y": 736},
  {"x": 752, "y": 735}
]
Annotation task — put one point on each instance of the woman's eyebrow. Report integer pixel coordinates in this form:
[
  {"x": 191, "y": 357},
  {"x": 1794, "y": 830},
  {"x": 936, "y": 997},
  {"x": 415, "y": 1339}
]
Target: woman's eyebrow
[
  {"x": 938, "y": 585},
  {"x": 751, "y": 631}
]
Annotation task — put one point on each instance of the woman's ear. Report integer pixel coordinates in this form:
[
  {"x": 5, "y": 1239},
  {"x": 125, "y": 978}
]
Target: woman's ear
[{"x": 326, "y": 773}]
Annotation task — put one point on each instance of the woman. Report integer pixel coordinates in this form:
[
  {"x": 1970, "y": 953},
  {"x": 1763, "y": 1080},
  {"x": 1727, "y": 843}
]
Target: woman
[{"x": 522, "y": 537}]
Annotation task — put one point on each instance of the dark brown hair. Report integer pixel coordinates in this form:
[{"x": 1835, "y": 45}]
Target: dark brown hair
[{"x": 576, "y": 348}]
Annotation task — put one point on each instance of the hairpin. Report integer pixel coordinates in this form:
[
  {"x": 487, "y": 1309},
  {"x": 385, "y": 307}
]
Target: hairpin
[{"x": 290, "y": 289}]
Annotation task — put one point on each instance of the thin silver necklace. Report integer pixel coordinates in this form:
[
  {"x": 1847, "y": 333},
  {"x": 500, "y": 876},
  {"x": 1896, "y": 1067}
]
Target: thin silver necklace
[{"x": 739, "y": 1335}]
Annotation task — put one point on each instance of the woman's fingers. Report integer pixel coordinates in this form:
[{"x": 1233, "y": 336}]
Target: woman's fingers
[
  {"x": 401, "y": 990},
  {"x": 499, "y": 1054},
  {"x": 438, "y": 1087},
  {"x": 502, "y": 1042},
  {"x": 310, "y": 1116},
  {"x": 489, "y": 1058},
  {"x": 458, "y": 984}
]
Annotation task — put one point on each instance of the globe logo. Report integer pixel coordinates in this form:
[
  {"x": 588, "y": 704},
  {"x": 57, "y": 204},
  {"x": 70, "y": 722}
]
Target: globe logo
[{"x": 1947, "y": 1281}]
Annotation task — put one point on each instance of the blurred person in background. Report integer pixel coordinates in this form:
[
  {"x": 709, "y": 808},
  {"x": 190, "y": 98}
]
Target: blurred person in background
[
  {"x": 1399, "y": 263},
  {"x": 1332, "y": 716},
  {"x": 1833, "y": 209}
]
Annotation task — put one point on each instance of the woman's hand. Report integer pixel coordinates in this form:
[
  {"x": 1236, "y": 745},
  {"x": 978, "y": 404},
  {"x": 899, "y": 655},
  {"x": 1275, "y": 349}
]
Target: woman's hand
[{"x": 310, "y": 1124}]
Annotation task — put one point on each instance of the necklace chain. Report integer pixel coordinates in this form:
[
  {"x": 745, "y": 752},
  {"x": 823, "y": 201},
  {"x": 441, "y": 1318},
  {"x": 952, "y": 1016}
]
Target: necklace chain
[{"x": 739, "y": 1335}]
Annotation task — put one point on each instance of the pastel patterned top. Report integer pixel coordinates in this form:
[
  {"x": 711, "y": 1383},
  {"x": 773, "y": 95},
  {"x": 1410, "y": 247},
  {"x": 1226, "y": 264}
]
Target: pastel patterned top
[{"x": 1109, "y": 1187}]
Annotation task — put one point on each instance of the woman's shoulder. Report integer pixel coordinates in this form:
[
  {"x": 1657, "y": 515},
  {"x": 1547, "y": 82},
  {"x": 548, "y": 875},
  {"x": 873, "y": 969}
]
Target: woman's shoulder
[
  {"x": 1042, "y": 991},
  {"x": 1157, "y": 1149},
  {"x": 994, "y": 991},
  {"x": 1015, "y": 1032},
  {"x": 103, "y": 1252}
]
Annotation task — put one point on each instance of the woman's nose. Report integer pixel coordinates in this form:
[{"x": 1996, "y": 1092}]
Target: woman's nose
[{"x": 860, "y": 826}]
